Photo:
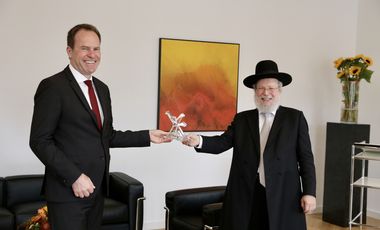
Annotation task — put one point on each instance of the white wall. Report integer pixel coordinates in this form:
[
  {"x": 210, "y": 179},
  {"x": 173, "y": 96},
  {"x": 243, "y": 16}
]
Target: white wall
[{"x": 304, "y": 37}]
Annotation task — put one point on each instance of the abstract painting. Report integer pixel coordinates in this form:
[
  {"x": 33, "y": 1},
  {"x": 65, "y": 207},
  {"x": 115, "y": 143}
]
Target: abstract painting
[{"x": 198, "y": 79}]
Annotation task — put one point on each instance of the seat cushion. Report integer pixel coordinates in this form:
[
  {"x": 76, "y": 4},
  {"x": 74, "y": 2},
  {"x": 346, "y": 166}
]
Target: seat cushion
[
  {"x": 6, "y": 219},
  {"x": 114, "y": 212},
  {"x": 24, "y": 211}
]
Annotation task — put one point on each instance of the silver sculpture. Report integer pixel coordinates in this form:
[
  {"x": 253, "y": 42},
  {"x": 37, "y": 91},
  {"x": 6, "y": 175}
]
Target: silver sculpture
[{"x": 176, "y": 131}]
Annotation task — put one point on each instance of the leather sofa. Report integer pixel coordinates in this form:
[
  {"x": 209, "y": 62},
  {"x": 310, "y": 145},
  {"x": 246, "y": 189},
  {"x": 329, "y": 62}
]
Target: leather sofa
[
  {"x": 194, "y": 209},
  {"x": 20, "y": 198}
]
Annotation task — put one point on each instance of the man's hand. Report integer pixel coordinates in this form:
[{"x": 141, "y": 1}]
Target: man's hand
[
  {"x": 83, "y": 186},
  {"x": 308, "y": 203},
  {"x": 159, "y": 136},
  {"x": 191, "y": 140}
]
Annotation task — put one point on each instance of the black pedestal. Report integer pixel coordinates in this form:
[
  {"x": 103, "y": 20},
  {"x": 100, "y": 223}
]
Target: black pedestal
[{"x": 336, "y": 197}]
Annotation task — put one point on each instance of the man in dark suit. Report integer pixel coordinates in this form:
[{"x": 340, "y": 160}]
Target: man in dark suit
[
  {"x": 272, "y": 178},
  {"x": 72, "y": 132}
]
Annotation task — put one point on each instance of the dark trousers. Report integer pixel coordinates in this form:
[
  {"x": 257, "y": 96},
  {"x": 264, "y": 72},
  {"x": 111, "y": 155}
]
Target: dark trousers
[
  {"x": 259, "y": 218},
  {"x": 84, "y": 214}
]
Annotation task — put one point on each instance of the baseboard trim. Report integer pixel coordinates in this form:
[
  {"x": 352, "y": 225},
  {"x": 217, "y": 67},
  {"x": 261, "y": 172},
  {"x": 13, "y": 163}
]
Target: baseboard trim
[
  {"x": 370, "y": 213},
  {"x": 373, "y": 214}
]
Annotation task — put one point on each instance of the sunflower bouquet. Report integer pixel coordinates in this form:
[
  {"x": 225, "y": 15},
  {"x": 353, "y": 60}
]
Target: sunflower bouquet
[
  {"x": 350, "y": 71},
  {"x": 39, "y": 221},
  {"x": 354, "y": 68}
]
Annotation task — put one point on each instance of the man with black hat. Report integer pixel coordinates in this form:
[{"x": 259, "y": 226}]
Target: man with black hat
[{"x": 272, "y": 181}]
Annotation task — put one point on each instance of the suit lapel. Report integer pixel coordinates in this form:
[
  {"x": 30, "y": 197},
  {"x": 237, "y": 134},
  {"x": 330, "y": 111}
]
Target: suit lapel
[
  {"x": 253, "y": 123},
  {"x": 78, "y": 91},
  {"x": 276, "y": 126}
]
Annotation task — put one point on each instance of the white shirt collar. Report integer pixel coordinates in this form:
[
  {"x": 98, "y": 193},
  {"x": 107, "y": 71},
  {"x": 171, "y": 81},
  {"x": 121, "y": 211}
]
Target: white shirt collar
[
  {"x": 80, "y": 78},
  {"x": 272, "y": 112}
]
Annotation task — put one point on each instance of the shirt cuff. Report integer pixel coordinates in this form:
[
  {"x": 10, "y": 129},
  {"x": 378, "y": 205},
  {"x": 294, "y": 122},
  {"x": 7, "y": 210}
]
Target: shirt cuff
[{"x": 200, "y": 143}]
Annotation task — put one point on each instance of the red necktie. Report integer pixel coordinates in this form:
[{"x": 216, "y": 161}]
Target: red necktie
[{"x": 94, "y": 103}]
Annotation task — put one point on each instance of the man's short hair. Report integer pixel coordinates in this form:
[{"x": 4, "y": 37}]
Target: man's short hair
[{"x": 73, "y": 31}]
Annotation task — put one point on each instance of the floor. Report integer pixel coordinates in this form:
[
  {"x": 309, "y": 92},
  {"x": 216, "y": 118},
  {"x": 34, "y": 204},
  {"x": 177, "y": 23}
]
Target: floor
[{"x": 314, "y": 222}]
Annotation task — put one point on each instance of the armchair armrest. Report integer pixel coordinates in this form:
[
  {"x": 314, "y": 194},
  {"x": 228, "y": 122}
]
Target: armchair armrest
[
  {"x": 211, "y": 214},
  {"x": 128, "y": 190},
  {"x": 191, "y": 201}
]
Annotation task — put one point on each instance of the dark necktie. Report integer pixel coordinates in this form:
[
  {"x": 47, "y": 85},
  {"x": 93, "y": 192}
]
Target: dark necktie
[{"x": 94, "y": 103}]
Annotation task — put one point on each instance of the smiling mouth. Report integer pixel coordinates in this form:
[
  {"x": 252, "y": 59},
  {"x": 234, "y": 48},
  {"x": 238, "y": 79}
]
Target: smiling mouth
[
  {"x": 266, "y": 98},
  {"x": 90, "y": 62}
]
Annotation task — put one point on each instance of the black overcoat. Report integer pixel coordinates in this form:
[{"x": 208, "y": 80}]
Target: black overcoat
[{"x": 289, "y": 168}]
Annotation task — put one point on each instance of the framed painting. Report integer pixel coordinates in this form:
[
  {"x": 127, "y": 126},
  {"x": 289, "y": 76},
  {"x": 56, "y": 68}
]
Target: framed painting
[{"x": 198, "y": 79}]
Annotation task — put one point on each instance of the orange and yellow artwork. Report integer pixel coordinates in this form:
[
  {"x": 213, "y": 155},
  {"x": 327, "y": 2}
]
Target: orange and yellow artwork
[{"x": 198, "y": 79}]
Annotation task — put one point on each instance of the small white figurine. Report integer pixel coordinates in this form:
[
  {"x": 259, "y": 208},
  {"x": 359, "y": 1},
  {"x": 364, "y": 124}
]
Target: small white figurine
[{"x": 176, "y": 131}]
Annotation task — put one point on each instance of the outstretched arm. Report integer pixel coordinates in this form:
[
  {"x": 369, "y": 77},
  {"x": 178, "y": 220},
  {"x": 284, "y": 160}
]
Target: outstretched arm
[
  {"x": 159, "y": 136},
  {"x": 191, "y": 140}
]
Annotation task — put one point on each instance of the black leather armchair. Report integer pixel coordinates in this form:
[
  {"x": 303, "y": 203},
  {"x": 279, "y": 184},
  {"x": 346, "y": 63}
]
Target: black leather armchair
[
  {"x": 123, "y": 208},
  {"x": 194, "y": 209},
  {"x": 6, "y": 217}
]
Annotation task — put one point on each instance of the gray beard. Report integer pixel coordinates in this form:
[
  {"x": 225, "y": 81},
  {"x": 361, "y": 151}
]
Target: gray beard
[{"x": 266, "y": 108}]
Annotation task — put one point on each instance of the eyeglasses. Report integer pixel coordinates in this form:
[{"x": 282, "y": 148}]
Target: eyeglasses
[{"x": 262, "y": 89}]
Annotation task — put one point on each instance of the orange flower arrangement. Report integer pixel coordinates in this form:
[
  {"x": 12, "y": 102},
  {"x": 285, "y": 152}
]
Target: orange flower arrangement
[{"x": 39, "y": 221}]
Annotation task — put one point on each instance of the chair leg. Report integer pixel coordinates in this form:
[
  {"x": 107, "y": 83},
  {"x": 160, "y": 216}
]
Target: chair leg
[
  {"x": 139, "y": 213},
  {"x": 167, "y": 213}
]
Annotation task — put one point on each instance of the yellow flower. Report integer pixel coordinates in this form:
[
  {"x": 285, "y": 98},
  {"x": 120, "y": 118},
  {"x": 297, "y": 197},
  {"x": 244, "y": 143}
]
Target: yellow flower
[
  {"x": 337, "y": 62},
  {"x": 354, "y": 70},
  {"x": 340, "y": 74},
  {"x": 368, "y": 60}
]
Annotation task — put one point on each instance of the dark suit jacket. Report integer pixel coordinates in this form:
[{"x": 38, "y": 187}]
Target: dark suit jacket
[
  {"x": 65, "y": 137},
  {"x": 287, "y": 158}
]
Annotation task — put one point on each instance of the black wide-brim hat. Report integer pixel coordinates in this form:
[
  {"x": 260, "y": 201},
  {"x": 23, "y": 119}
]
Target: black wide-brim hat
[{"x": 267, "y": 69}]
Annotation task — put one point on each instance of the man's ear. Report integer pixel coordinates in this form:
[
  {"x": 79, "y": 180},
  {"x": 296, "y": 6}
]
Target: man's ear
[{"x": 69, "y": 51}]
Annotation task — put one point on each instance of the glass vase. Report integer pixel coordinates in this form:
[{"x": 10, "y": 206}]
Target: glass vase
[{"x": 349, "y": 111}]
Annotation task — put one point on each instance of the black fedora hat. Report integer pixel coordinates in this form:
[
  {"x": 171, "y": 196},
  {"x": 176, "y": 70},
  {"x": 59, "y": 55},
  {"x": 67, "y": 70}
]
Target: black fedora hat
[{"x": 267, "y": 69}]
